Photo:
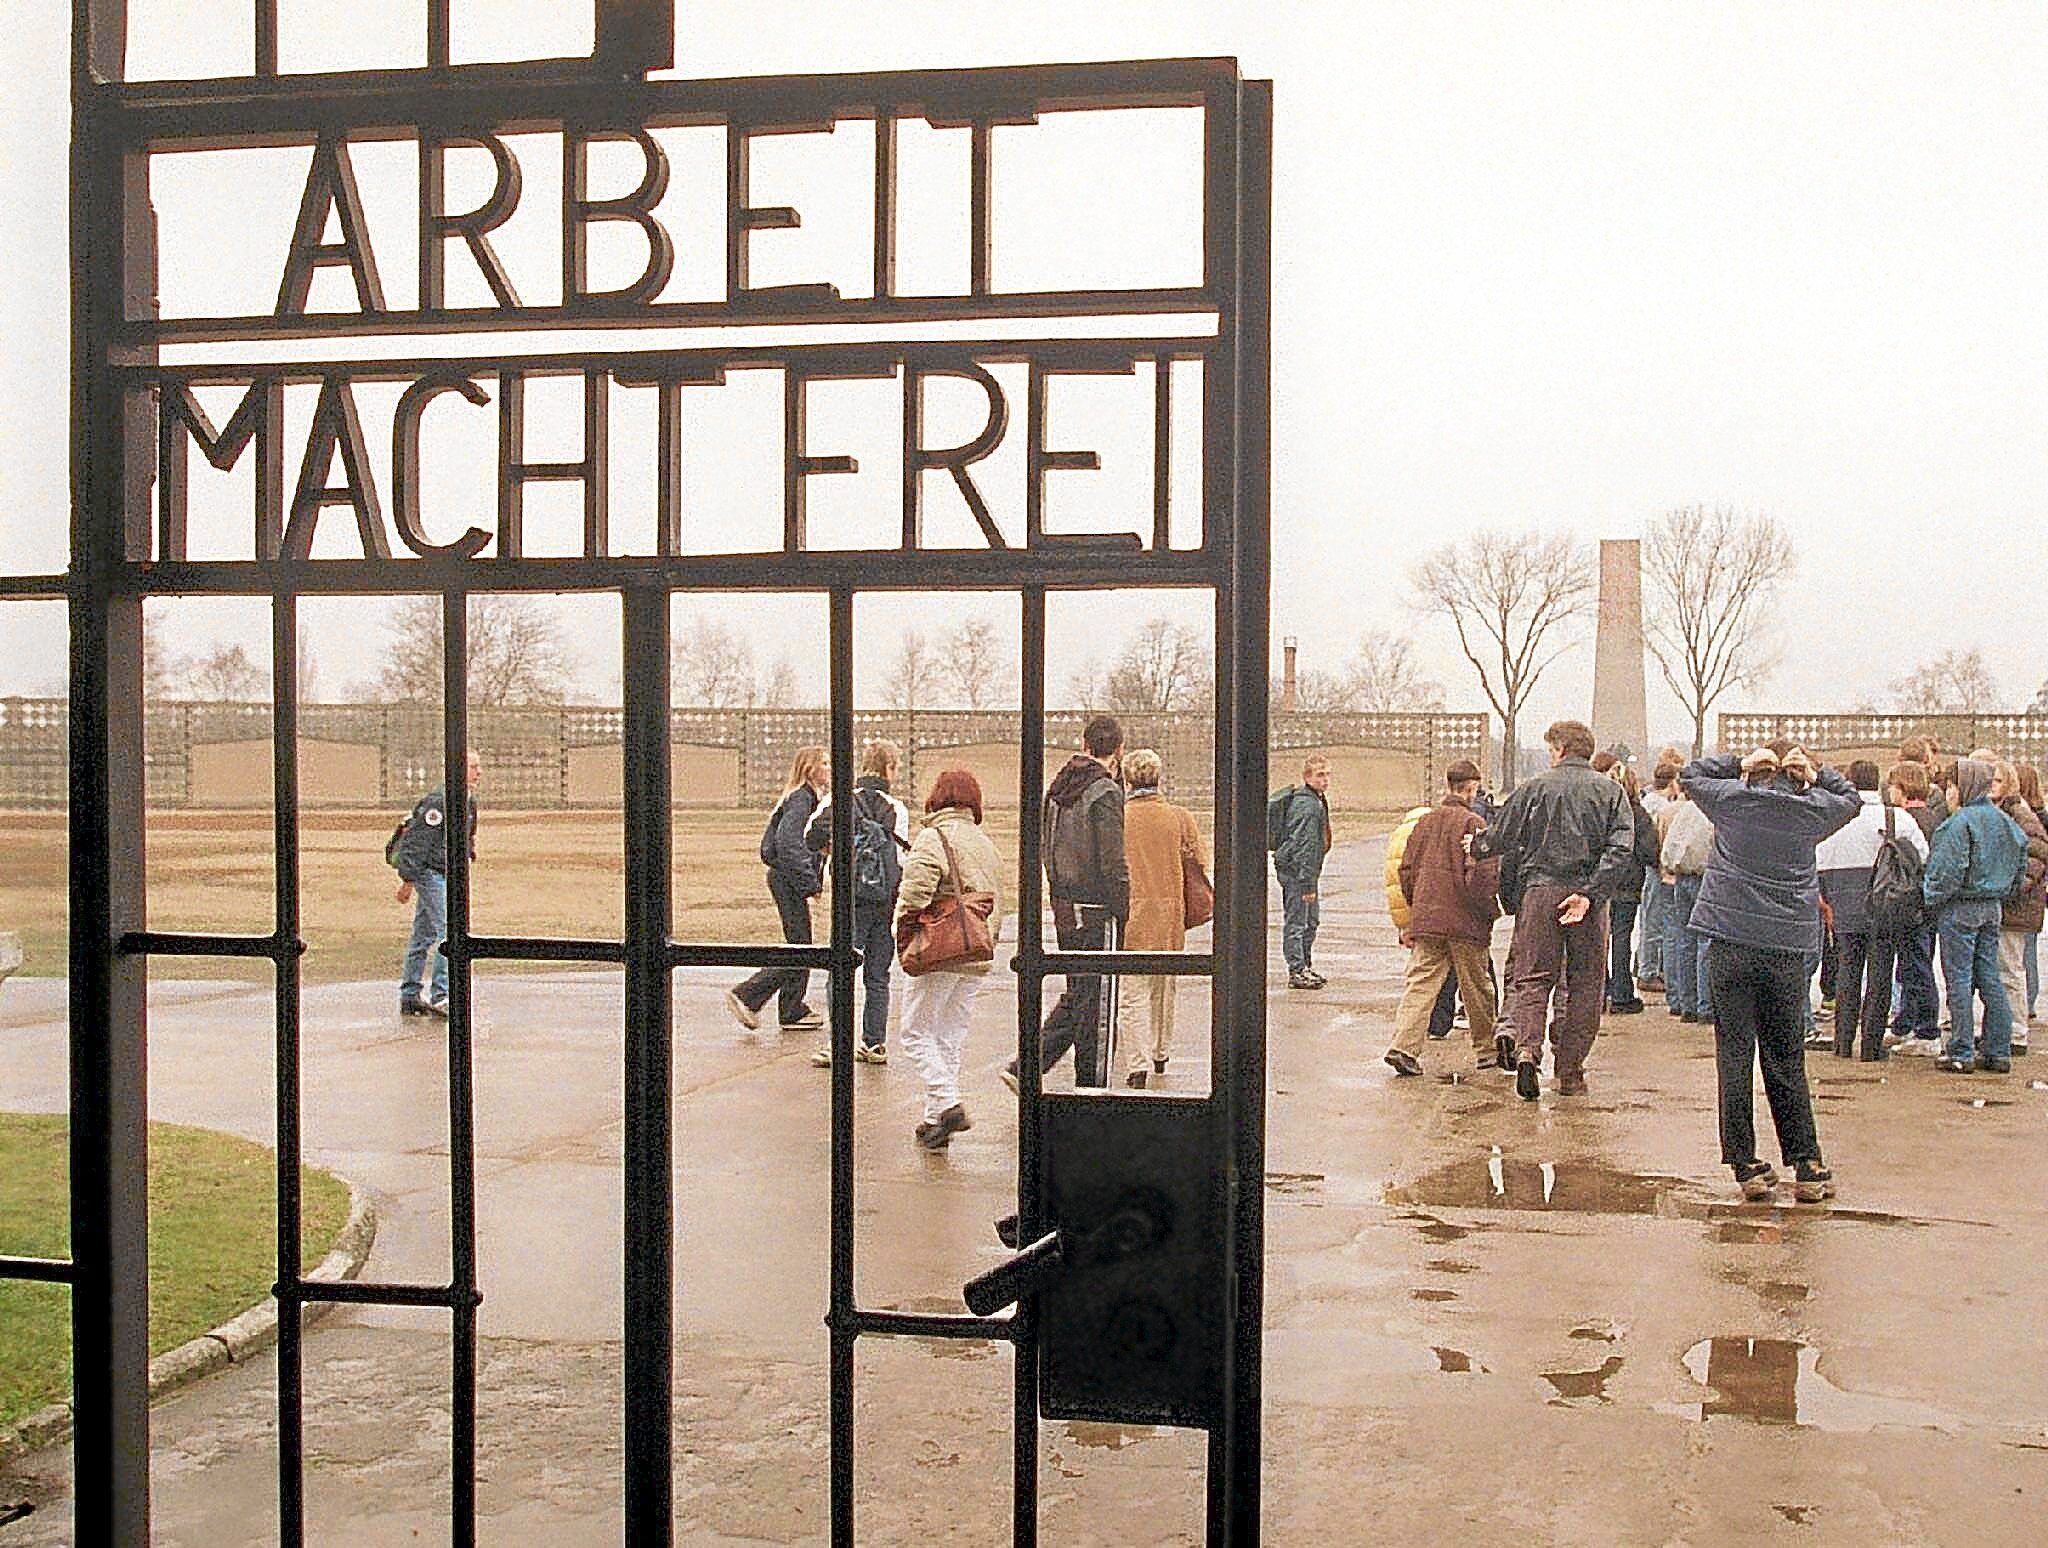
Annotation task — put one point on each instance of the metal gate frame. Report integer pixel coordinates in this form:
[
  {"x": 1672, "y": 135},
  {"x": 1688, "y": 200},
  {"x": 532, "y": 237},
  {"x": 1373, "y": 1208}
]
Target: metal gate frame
[{"x": 117, "y": 561}]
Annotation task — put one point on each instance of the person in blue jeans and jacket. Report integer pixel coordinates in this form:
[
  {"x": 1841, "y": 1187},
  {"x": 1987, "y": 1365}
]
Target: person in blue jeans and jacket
[
  {"x": 422, "y": 862},
  {"x": 1759, "y": 908},
  {"x": 1978, "y": 856},
  {"x": 1298, "y": 822},
  {"x": 881, "y": 838},
  {"x": 794, "y": 872}
]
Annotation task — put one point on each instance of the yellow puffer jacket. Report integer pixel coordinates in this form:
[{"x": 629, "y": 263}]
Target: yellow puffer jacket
[{"x": 1397, "y": 846}]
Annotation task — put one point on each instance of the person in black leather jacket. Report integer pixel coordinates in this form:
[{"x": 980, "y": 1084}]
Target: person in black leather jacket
[
  {"x": 1571, "y": 838},
  {"x": 422, "y": 863}
]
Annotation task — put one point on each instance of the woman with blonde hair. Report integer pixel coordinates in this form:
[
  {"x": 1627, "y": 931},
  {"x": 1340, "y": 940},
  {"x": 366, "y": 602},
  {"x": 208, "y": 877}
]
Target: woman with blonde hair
[
  {"x": 2022, "y": 912},
  {"x": 951, "y": 857},
  {"x": 793, "y": 880},
  {"x": 1159, "y": 839}
]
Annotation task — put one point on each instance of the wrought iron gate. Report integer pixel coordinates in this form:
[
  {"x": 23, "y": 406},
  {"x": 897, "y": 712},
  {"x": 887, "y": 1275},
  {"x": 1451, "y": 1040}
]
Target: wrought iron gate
[{"x": 1187, "y": 1199}]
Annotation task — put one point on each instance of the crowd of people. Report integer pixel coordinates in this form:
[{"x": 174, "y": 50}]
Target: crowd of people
[{"x": 1732, "y": 886}]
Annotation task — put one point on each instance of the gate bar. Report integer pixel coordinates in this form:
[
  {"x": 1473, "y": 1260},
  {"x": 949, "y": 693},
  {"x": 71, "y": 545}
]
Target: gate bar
[
  {"x": 461, "y": 1089},
  {"x": 1028, "y": 962},
  {"x": 649, "y": 1161},
  {"x": 843, "y": 1329},
  {"x": 48, "y": 1271},
  {"x": 284, "y": 752}
]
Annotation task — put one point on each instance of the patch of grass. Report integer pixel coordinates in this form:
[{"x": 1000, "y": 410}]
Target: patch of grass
[{"x": 212, "y": 1242}]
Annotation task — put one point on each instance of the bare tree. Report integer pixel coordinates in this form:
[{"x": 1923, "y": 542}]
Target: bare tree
[
  {"x": 226, "y": 673},
  {"x": 1164, "y": 666},
  {"x": 1317, "y": 693},
  {"x": 1709, "y": 603},
  {"x": 714, "y": 668},
  {"x": 516, "y": 655},
  {"x": 913, "y": 674},
  {"x": 1511, "y": 599},
  {"x": 1087, "y": 685},
  {"x": 1955, "y": 680},
  {"x": 162, "y": 667},
  {"x": 777, "y": 688},
  {"x": 1385, "y": 678},
  {"x": 974, "y": 663}
]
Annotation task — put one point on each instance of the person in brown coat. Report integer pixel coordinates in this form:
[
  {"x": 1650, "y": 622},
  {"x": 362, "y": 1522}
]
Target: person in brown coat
[
  {"x": 1158, "y": 837},
  {"x": 1452, "y": 902}
]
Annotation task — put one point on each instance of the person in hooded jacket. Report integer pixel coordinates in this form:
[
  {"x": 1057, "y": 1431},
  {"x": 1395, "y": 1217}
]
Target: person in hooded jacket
[
  {"x": 1088, "y": 877},
  {"x": 2021, "y": 921},
  {"x": 1845, "y": 861},
  {"x": 794, "y": 876},
  {"x": 1759, "y": 908},
  {"x": 1978, "y": 858},
  {"x": 422, "y": 864}
]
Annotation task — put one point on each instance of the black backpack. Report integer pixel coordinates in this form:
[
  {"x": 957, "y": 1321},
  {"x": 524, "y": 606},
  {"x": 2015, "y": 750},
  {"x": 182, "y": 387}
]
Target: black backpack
[
  {"x": 877, "y": 870},
  {"x": 1896, "y": 898}
]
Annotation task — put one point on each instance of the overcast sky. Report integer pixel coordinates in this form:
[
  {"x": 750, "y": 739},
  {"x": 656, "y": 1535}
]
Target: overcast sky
[{"x": 1558, "y": 265}]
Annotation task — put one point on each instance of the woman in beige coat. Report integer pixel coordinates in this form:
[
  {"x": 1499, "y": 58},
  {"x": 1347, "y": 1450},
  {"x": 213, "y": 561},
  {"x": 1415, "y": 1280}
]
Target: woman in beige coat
[
  {"x": 938, "y": 1005},
  {"x": 1157, "y": 834}
]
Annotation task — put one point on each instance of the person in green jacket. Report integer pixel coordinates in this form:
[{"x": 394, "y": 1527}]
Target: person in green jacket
[{"x": 1298, "y": 828}]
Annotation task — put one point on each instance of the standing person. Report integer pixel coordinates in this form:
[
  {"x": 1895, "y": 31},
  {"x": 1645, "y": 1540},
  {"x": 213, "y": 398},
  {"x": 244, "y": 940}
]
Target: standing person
[
  {"x": 1159, "y": 841},
  {"x": 1298, "y": 833},
  {"x": 1656, "y": 889},
  {"x": 793, "y": 880},
  {"x": 1452, "y": 904},
  {"x": 1979, "y": 855},
  {"x": 881, "y": 837},
  {"x": 951, "y": 855},
  {"x": 1687, "y": 847},
  {"x": 2020, "y": 925},
  {"x": 1622, "y": 999},
  {"x": 1844, "y": 860},
  {"x": 420, "y": 852},
  {"x": 1892, "y": 941},
  {"x": 1570, "y": 836},
  {"x": 2030, "y": 792},
  {"x": 1082, "y": 846},
  {"x": 1916, "y": 1023},
  {"x": 1759, "y": 906}
]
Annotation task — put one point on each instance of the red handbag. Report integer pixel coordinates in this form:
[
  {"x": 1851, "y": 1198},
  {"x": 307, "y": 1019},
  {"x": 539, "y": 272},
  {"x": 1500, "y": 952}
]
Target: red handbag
[{"x": 949, "y": 932}]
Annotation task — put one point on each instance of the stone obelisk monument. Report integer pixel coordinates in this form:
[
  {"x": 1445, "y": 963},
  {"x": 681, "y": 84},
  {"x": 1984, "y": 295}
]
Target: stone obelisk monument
[{"x": 1620, "y": 717}]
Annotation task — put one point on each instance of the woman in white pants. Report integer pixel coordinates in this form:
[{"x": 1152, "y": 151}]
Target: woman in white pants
[{"x": 938, "y": 1004}]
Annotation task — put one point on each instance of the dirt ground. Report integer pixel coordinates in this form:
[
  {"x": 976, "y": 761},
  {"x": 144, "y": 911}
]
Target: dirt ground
[{"x": 546, "y": 873}]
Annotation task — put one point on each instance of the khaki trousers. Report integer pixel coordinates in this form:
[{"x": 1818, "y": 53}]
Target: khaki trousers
[
  {"x": 1144, "y": 1008},
  {"x": 1430, "y": 962}
]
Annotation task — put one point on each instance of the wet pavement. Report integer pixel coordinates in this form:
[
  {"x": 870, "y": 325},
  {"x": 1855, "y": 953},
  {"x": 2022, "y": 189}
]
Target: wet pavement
[{"x": 1487, "y": 1322}]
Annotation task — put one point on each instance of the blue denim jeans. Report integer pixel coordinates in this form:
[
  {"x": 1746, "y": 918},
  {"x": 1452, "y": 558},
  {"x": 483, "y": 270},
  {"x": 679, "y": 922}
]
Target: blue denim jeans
[
  {"x": 1919, "y": 1009},
  {"x": 1685, "y": 953},
  {"x": 429, "y": 930},
  {"x": 1300, "y": 912},
  {"x": 1656, "y": 905},
  {"x": 1969, "y": 961}
]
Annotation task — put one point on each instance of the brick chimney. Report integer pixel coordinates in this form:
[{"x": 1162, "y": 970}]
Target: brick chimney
[{"x": 1290, "y": 692}]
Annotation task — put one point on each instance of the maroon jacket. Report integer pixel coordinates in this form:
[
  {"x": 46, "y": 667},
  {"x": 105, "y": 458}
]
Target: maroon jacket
[{"x": 1450, "y": 895}]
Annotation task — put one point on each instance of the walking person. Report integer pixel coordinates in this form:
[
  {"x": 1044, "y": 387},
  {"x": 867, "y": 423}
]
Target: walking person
[
  {"x": 1622, "y": 999},
  {"x": 1845, "y": 861},
  {"x": 1298, "y": 832},
  {"x": 419, "y": 851},
  {"x": 1160, "y": 842},
  {"x": 1445, "y": 1012},
  {"x": 1759, "y": 907},
  {"x": 2020, "y": 924},
  {"x": 881, "y": 837},
  {"x": 1452, "y": 902},
  {"x": 1688, "y": 844},
  {"x": 951, "y": 856},
  {"x": 1570, "y": 836},
  {"x": 1978, "y": 857},
  {"x": 793, "y": 880},
  {"x": 1088, "y": 877},
  {"x": 1916, "y": 1023}
]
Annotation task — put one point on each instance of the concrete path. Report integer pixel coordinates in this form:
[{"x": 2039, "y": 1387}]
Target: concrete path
[{"x": 1487, "y": 1322}]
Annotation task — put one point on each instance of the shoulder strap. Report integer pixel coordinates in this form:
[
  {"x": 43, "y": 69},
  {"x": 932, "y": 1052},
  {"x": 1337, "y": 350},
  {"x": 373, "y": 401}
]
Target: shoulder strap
[{"x": 952, "y": 861}]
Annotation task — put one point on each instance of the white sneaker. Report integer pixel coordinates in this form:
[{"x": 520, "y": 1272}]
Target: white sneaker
[
  {"x": 1919, "y": 1047},
  {"x": 1462, "y": 1022},
  {"x": 748, "y": 1019}
]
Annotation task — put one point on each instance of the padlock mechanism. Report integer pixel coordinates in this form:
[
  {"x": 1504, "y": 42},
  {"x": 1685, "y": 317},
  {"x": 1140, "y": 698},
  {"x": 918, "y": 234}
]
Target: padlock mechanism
[{"x": 1007, "y": 1283}]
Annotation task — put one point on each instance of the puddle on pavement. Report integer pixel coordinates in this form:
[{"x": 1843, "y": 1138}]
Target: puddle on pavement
[
  {"x": 1439, "y": 1230},
  {"x": 1294, "y": 1182},
  {"x": 1596, "y": 1332},
  {"x": 1451, "y": 1266},
  {"x": 1434, "y": 1295},
  {"x": 1783, "y": 1292},
  {"x": 1498, "y": 1181},
  {"x": 1572, "y": 1386},
  {"x": 1455, "y": 1362},
  {"x": 1778, "y": 1381},
  {"x": 1109, "y": 1437},
  {"x": 1798, "y": 1515},
  {"x": 1985, "y": 1101}
]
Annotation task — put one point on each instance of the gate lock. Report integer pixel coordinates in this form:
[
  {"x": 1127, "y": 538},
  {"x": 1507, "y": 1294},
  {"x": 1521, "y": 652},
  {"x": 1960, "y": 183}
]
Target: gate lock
[{"x": 1131, "y": 1276}]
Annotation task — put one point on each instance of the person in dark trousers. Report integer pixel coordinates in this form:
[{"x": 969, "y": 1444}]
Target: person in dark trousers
[
  {"x": 1916, "y": 1024},
  {"x": 422, "y": 861},
  {"x": 1622, "y": 999},
  {"x": 1570, "y": 839},
  {"x": 1977, "y": 860},
  {"x": 1844, "y": 861},
  {"x": 1081, "y": 828},
  {"x": 1298, "y": 829},
  {"x": 1759, "y": 908},
  {"x": 793, "y": 880},
  {"x": 881, "y": 837}
]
